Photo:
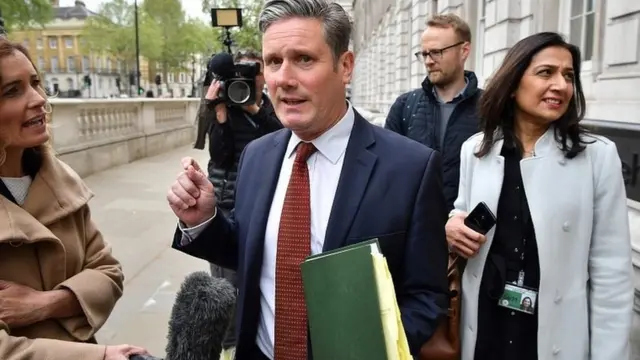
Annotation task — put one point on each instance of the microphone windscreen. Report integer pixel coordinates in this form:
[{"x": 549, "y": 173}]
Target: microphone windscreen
[
  {"x": 200, "y": 317},
  {"x": 222, "y": 65}
]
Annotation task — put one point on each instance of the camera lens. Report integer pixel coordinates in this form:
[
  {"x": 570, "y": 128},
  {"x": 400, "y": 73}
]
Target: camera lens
[{"x": 238, "y": 92}]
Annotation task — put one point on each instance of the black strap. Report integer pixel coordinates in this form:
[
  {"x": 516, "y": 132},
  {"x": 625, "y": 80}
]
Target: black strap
[{"x": 4, "y": 190}]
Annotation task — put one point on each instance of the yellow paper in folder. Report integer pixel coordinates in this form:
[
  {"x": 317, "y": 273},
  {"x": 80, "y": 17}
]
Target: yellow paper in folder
[{"x": 395, "y": 337}]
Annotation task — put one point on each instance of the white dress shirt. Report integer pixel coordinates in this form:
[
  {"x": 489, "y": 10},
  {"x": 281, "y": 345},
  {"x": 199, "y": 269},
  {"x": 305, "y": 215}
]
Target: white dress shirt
[{"x": 325, "y": 167}]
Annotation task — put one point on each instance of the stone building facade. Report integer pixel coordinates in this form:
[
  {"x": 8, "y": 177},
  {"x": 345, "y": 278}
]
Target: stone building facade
[{"x": 387, "y": 34}]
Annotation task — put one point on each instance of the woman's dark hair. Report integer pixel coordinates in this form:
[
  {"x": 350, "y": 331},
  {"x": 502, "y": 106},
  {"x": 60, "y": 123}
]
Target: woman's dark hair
[
  {"x": 497, "y": 105},
  {"x": 247, "y": 54}
]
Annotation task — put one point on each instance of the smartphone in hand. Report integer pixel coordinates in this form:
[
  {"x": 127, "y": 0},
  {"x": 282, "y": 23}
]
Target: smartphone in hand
[{"x": 481, "y": 219}]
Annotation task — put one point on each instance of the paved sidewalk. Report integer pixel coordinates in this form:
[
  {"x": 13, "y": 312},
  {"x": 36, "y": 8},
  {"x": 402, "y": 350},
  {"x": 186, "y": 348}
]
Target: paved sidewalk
[{"x": 131, "y": 210}]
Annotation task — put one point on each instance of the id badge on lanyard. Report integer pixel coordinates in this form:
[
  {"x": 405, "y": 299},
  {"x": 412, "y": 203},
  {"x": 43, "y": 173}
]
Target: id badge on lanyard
[{"x": 518, "y": 297}]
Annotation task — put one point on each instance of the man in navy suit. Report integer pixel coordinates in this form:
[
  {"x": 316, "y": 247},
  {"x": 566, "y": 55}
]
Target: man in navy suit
[{"x": 360, "y": 182}]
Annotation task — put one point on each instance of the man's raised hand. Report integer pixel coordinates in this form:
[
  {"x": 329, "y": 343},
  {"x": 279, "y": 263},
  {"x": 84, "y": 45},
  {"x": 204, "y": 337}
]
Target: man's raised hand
[{"x": 191, "y": 196}]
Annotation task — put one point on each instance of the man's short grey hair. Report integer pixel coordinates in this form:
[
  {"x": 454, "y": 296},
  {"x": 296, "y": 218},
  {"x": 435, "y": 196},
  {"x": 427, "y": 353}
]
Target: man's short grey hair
[{"x": 336, "y": 21}]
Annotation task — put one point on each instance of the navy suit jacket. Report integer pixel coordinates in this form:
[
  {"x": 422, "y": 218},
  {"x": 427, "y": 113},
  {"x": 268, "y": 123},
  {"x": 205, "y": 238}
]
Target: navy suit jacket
[{"x": 390, "y": 188}]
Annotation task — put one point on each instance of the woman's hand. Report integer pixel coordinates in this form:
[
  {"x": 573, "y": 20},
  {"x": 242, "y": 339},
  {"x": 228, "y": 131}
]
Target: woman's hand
[
  {"x": 461, "y": 239},
  {"x": 221, "y": 109},
  {"x": 123, "y": 352},
  {"x": 21, "y": 305}
]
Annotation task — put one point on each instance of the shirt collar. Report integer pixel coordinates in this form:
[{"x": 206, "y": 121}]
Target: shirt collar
[
  {"x": 456, "y": 98},
  {"x": 332, "y": 144}
]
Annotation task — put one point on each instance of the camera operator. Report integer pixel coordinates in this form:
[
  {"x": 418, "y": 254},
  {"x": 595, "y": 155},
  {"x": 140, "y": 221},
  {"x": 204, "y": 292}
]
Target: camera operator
[{"x": 230, "y": 129}]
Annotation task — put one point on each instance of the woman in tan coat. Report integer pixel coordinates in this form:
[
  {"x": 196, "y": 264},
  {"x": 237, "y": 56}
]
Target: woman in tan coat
[{"x": 58, "y": 279}]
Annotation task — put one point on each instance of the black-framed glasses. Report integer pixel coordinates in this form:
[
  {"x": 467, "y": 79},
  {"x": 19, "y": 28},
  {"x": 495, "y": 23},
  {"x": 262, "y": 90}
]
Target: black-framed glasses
[{"x": 435, "y": 54}]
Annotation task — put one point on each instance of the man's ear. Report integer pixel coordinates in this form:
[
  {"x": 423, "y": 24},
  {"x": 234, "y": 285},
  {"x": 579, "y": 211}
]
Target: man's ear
[
  {"x": 466, "y": 50},
  {"x": 346, "y": 64}
]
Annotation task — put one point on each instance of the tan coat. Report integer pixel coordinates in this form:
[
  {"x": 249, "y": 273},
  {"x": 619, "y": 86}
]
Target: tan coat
[{"x": 51, "y": 243}]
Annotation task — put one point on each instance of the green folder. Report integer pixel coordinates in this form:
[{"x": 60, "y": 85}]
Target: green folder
[{"x": 343, "y": 307}]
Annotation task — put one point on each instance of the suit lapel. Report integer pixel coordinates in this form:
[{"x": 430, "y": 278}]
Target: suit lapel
[
  {"x": 268, "y": 172},
  {"x": 354, "y": 178}
]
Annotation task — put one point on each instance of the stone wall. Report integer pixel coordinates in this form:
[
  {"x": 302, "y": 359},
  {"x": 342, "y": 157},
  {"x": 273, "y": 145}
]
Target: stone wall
[{"x": 94, "y": 135}]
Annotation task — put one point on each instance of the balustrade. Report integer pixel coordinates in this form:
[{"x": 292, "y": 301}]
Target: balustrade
[{"x": 95, "y": 134}]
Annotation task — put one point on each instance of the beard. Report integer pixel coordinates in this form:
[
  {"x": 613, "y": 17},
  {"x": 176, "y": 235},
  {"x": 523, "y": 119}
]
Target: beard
[{"x": 439, "y": 78}]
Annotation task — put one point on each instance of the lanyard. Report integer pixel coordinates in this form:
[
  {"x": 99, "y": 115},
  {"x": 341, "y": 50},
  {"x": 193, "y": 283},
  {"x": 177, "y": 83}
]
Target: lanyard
[{"x": 526, "y": 220}]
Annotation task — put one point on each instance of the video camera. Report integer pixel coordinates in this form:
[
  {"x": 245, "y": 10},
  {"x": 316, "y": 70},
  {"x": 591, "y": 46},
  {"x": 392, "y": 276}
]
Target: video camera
[{"x": 237, "y": 81}]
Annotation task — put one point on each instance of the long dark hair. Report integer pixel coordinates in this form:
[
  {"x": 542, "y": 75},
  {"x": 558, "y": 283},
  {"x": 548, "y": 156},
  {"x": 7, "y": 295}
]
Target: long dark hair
[{"x": 497, "y": 106}]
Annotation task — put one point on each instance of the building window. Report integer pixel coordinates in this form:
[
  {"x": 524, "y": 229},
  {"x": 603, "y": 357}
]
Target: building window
[
  {"x": 71, "y": 63},
  {"x": 55, "y": 88},
  {"x": 98, "y": 64},
  {"x": 41, "y": 63},
  {"x": 39, "y": 43},
  {"x": 582, "y": 26},
  {"x": 53, "y": 42},
  {"x": 54, "y": 64},
  {"x": 479, "y": 45},
  {"x": 86, "y": 63},
  {"x": 183, "y": 78},
  {"x": 68, "y": 42}
]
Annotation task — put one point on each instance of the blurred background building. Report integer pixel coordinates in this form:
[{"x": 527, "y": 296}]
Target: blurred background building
[
  {"x": 58, "y": 52},
  {"x": 388, "y": 33},
  {"x": 70, "y": 69}
]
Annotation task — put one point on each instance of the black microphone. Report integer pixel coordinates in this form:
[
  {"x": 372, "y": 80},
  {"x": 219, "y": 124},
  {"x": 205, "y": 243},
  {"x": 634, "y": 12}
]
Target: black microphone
[
  {"x": 222, "y": 65},
  {"x": 199, "y": 319}
]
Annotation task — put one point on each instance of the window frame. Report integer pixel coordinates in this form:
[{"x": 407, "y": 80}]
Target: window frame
[{"x": 582, "y": 15}]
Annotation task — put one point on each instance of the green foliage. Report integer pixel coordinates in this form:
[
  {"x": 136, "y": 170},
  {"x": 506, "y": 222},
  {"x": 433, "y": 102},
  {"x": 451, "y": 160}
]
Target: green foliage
[
  {"x": 112, "y": 31},
  {"x": 166, "y": 37},
  {"x": 169, "y": 18},
  {"x": 199, "y": 38},
  {"x": 248, "y": 37},
  {"x": 21, "y": 14}
]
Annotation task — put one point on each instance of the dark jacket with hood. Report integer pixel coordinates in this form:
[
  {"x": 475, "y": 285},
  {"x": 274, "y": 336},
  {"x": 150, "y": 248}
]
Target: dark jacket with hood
[{"x": 423, "y": 125}]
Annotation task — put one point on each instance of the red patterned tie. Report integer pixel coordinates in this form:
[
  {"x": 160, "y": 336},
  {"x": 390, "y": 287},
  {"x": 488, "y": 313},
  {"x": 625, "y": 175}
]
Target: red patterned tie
[{"x": 294, "y": 245}]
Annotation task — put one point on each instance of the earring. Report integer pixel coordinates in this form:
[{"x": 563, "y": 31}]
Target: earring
[{"x": 48, "y": 108}]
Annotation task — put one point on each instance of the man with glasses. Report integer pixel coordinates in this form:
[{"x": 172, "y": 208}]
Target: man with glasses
[
  {"x": 441, "y": 114},
  {"x": 230, "y": 129}
]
